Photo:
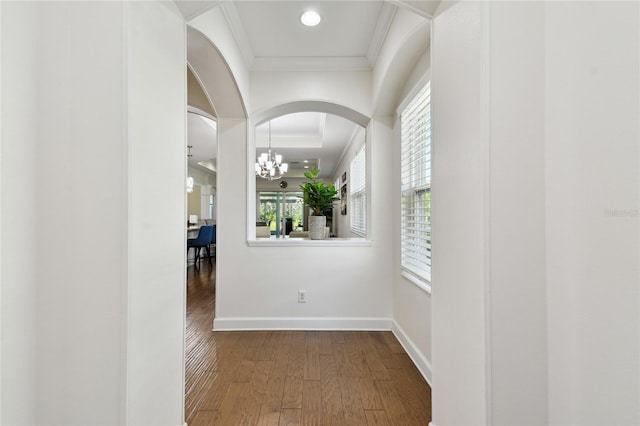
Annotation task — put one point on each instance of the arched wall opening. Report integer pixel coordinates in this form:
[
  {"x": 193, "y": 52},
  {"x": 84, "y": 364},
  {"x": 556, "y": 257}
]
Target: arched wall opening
[
  {"x": 328, "y": 155},
  {"x": 212, "y": 71},
  {"x": 311, "y": 105}
]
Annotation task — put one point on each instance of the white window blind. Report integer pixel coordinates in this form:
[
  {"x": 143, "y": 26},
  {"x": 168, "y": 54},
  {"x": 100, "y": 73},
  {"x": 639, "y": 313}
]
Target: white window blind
[
  {"x": 358, "y": 194},
  {"x": 415, "y": 140}
]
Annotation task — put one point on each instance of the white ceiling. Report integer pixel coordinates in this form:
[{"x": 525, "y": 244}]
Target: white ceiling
[
  {"x": 271, "y": 37},
  {"x": 307, "y": 139}
]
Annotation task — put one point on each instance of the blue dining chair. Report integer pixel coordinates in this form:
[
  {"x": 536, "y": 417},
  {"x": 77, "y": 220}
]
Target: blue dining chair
[
  {"x": 204, "y": 239},
  {"x": 213, "y": 242}
]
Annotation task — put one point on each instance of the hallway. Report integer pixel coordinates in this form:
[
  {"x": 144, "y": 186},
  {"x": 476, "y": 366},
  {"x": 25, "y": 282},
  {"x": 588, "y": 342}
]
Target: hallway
[{"x": 294, "y": 377}]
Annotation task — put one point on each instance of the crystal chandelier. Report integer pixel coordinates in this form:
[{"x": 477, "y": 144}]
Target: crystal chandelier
[{"x": 270, "y": 165}]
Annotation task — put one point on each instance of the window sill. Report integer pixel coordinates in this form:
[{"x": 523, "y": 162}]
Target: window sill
[
  {"x": 421, "y": 284},
  {"x": 306, "y": 242}
]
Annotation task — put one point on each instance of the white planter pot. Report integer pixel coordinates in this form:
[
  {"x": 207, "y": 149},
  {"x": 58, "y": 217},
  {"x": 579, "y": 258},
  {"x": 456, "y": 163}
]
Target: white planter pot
[{"x": 316, "y": 227}]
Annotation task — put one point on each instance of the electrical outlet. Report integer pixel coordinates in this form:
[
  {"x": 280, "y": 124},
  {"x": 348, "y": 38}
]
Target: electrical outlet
[{"x": 302, "y": 296}]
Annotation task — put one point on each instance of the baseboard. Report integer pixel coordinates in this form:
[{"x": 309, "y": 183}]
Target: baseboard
[
  {"x": 297, "y": 323},
  {"x": 419, "y": 360}
]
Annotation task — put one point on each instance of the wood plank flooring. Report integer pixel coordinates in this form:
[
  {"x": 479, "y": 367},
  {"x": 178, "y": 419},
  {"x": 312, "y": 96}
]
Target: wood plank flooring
[{"x": 294, "y": 377}]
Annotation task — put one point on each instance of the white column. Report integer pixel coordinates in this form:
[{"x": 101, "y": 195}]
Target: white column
[
  {"x": 18, "y": 212},
  {"x": 460, "y": 222},
  {"x": 156, "y": 79},
  {"x": 231, "y": 222}
]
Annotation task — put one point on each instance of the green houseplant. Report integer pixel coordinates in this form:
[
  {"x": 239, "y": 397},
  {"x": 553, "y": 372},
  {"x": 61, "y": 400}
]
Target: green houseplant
[{"x": 319, "y": 196}]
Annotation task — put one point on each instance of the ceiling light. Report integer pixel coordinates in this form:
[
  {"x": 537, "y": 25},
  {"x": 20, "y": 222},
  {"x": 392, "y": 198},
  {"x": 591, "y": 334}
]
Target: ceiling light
[
  {"x": 306, "y": 161},
  {"x": 310, "y": 18},
  {"x": 270, "y": 165}
]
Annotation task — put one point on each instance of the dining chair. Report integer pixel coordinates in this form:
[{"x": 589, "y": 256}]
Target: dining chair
[
  {"x": 213, "y": 243},
  {"x": 204, "y": 239}
]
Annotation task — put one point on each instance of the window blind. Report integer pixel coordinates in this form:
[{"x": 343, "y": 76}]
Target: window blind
[
  {"x": 415, "y": 141},
  {"x": 358, "y": 194}
]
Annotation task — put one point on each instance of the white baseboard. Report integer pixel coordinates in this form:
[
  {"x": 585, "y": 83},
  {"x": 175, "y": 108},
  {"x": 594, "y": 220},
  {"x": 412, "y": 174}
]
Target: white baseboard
[
  {"x": 419, "y": 360},
  {"x": 297, "y": 323}
]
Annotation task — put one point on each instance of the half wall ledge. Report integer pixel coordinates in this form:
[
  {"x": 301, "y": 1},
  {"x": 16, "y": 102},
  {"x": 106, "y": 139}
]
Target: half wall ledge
[{"x": 305, "y": 242}]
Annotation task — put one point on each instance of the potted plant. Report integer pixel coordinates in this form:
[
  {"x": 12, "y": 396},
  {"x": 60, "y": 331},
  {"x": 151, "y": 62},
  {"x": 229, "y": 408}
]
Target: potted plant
[{"x": 319, "y": 196}]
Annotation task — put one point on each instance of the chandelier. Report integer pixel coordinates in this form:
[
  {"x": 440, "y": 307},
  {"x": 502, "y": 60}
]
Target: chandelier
[{"x": 270, "y": 165}]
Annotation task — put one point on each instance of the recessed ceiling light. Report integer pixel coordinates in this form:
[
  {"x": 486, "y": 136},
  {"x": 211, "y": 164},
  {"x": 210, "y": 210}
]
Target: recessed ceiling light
[
  {"x": 306, "y": 167},
  {"x": 306, "y": 161},
  {"x": 310, "y": 18}
]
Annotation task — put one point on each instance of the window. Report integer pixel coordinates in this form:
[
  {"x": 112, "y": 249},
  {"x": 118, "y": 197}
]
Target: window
[
  {"x": 415, "y": 140},
  {"x": 358, "y": 194},
  {"x": 282, "y": 211}
]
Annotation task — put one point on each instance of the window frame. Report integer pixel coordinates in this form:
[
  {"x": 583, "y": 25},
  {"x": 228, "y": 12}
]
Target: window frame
[{"x": 415, "y": 187}]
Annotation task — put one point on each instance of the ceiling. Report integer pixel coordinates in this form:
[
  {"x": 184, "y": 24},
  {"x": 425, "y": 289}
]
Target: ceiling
[
  {"x": 307, "y": 140},
  {"x": 271, "y": 37}
]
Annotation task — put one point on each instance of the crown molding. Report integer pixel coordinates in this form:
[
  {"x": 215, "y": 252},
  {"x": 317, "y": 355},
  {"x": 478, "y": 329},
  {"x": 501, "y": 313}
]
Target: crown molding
[
  {"x": 385, "y": 18},
  {"x": 193, "y": 9},
  {"x": 426, "y": 12},
  {"x": 238, "y": 31},
  {"x": 310, "y": 63}
]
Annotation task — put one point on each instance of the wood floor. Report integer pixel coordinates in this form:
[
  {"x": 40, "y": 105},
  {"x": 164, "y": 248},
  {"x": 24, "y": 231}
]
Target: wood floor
[{"x": 295, "y": 377}]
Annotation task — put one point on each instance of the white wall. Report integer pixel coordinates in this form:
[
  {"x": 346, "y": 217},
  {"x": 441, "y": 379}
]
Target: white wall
[
  {"x": 207, "y": 183},
  {"x": 591, "y": 155},
  {"x": 92, "y": 241},
  {"x": 545, "y": 328},
  {"x": 350, "y": 89},
  {"x": 517, "y": 216},
  {"x": 79, "y": 251},
  {"x": 156, "y": 213},
  {"x": 18, "y": 212},
  {"x": 353, "y": 293}
]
